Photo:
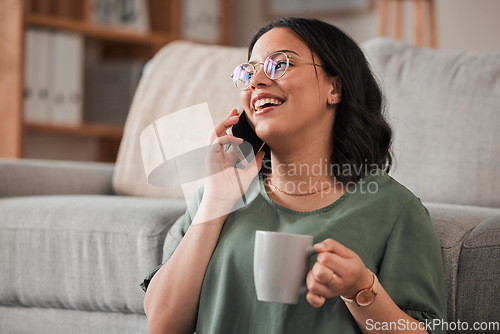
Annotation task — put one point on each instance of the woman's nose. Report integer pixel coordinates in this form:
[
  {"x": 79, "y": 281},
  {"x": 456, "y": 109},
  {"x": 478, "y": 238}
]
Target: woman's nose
[{"x": 259, "y": 78}]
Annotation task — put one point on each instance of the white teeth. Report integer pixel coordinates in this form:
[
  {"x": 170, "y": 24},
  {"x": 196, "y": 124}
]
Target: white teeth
[{"x": 262, "y": 102}]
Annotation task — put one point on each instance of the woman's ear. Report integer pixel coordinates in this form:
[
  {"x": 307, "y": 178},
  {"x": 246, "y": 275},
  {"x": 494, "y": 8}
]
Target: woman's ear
[{"x": 336, "y": 93}]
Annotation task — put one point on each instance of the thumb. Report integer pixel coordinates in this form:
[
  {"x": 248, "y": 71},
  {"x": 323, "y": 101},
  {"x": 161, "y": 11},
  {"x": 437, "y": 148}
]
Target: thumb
[{"x": 333, "y": 246}]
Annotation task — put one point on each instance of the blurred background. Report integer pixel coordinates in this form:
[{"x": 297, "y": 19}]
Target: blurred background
[{"x": 69, "y": 68}]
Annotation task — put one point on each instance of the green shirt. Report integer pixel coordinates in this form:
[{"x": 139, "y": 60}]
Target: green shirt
[{"x": 379, "y": 219}]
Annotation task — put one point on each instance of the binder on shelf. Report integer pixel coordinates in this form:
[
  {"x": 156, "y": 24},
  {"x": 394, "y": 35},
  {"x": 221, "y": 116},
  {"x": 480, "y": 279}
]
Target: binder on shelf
[
  {"x": 138, "y": 16},
  {"x": 114, "y": 87},
  {"x": 129, "y": 14},
  {"x": 37, "y": 75},
  {"x": 201, "y": 20},
  {"x": 101, "y": 12},
  {"x": 66, "y": 78}
]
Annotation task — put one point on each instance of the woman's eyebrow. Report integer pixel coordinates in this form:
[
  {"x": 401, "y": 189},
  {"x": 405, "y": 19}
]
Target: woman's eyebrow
[
  {"x": 253, "y": 62},
  {"x": 287, "y": 51}
]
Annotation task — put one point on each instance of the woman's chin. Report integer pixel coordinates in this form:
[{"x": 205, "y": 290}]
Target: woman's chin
[
  {"x": 264, "y": 132},
  {"x": 271, "y": 138}
]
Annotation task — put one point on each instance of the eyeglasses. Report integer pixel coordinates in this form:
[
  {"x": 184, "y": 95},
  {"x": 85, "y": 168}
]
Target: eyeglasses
[{"x": 275, "y": 66}]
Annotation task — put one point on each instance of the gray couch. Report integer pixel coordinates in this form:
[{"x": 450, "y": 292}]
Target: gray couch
[{"x": 77, "y": 238}]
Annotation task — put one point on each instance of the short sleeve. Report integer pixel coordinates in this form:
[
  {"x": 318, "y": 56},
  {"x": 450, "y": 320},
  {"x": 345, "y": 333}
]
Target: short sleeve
[
  {"x": 411, "y": 271},
  {"x": 175, "y": 235}
]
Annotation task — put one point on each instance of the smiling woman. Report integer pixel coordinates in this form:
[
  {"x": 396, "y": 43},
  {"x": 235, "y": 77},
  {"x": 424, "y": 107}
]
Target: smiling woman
[{"x": 308, "y": 93}]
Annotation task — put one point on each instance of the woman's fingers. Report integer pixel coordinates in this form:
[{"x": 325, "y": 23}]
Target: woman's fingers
[
  {"x": 336, "y": 257},
  {"x": 315, "y": 300},
  {"x": 217, "y": 158},
  {"x": 323, "y": 281},
  {"x": 338, "y": 270},
  {"x": 227, "y": 139},
  {"x": 321, "y": 284},
  {"x": 219, "y": 144},
  {"x": 220, "y": 129},
  {"x": 330, "y": 245},
  {"x": 343, "y": 267},
  {"x": 322, "y": 274},
  {"x": 225, "y": 182}
]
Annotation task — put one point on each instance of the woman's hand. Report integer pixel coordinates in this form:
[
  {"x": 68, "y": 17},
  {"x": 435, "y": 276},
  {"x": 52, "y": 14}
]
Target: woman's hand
[
  {"x": 220, "y": 129},
  {"x": 337, "y": 271},
  {"x": 226, "y": 183}
]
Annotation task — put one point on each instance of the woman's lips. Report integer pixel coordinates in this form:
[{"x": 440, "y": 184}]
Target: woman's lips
[
  {"x": 260, "y": 112},
  {"x": 264, "y": 103}
]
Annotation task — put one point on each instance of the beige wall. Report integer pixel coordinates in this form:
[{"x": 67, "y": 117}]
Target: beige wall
[
  {"x": 469, "y": 24},
  {"x": 461, "y": 24}
]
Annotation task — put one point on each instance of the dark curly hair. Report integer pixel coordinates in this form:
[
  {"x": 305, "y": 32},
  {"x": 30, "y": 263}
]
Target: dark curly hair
[{"x": 361, "y": 133}]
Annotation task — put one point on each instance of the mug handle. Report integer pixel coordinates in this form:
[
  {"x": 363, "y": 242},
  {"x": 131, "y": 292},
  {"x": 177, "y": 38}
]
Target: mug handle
[{"x": 310, "y": 251}]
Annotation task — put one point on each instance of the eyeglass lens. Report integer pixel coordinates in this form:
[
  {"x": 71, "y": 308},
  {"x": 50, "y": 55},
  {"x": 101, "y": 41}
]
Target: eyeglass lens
[{"x": 274, "y": 68}]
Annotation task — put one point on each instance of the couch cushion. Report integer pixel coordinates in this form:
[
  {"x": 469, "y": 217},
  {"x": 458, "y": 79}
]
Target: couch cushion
[
  {"x": 34, "y": 320},
  {"x": 81, "y": 252},
  {"x": 181, "y": 75},
  {"x": 445, "y": 110}
]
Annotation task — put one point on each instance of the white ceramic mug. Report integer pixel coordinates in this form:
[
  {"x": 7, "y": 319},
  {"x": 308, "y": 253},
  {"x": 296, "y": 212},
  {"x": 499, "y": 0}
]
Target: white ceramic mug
[{"x": 280, "y": 265}]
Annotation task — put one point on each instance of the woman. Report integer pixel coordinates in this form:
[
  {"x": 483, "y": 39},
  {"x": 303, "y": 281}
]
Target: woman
[{"x": 309, "y": 94}]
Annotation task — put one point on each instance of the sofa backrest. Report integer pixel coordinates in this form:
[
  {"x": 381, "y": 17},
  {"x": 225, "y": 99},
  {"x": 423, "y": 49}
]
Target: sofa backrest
[{"x": 444, "y": 107}]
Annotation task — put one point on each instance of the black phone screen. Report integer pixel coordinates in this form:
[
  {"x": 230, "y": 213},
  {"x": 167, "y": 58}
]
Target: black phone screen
[{"x": 243, "y": 130}]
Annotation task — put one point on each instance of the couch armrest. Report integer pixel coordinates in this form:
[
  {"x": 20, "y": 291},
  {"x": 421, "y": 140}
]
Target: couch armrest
[
  {"x": 50, "y": 177},
  {"x": 81, "y": 252},
  {"x": 455, "y": 224},
  {"x": 478, "y": 272}
]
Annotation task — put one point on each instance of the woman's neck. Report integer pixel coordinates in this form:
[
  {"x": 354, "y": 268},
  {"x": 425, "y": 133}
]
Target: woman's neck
[
  {"x": 304, "y": 183},
  {"x": 301, "y": 171},
  {"x": 301, "y": 177}
]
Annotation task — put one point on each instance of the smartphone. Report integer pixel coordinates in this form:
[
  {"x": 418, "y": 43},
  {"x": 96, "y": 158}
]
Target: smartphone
[{"x": 244, "y": 130}]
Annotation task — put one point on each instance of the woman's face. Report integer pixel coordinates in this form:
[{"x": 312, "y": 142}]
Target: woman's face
[{"x": 299, "y": 98}]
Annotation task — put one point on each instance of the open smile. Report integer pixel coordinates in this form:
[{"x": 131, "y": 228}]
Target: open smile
[{"x": 263, "y": 104}]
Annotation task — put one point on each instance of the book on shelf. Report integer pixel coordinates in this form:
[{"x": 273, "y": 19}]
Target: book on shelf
[
  {"x": 128, "y": 14},
  {"x": 53, "y": 77}
]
